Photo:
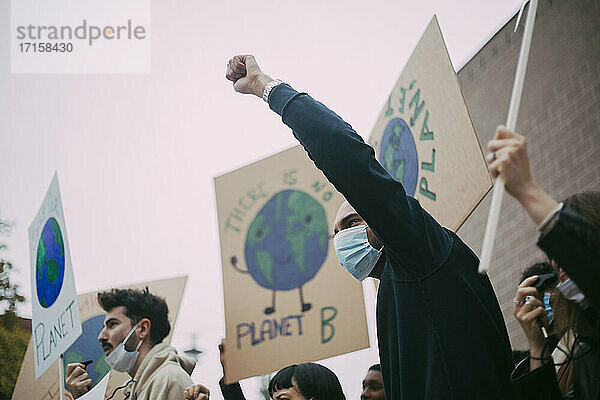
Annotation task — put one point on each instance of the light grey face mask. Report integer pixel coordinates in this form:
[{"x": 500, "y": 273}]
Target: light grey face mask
[
  {"x": 122, "y": 360},
  {"x": 570, "y": 290},
  {"x": 354, "y": 252}
]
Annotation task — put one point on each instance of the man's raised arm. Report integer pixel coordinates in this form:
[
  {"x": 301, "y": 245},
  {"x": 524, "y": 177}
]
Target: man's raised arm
[{"x": 350, "y": 165}]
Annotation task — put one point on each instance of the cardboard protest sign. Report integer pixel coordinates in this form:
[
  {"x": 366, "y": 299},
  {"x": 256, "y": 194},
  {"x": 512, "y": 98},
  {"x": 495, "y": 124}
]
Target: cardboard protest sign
[
  {"x": 425, "y": 139},
  {"x": 55, "y": 321},
  {"x": 87, "y": 348},
  {"x": 287, "y": 300}
]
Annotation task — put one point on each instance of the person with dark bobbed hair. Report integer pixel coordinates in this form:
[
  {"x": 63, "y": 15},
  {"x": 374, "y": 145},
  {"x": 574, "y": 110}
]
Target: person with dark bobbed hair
[
  {"x": 570, "y": 237},
  {"x": 295, "y": 382},
  {"x": 539, "y": 268},
  {"x": 309, "y": 381}
]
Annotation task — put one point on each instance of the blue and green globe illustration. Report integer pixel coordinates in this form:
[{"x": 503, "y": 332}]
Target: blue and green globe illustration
[
  {"x": 398, "y": 154},
  {"x": 87, "y": 348},
  {"x": 287, "y": 242},
  {"x": 50, "y": 264}
]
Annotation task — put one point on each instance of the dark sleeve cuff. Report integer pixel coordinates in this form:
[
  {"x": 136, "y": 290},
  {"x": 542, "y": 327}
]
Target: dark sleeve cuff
[
  {"x": 569, "y": 223},
  {"x": 232, "y": 391},
  {"x": 281, "y": 96},
  {"x": 574, "y": 243},
  {"x": 540, "y": 383}
]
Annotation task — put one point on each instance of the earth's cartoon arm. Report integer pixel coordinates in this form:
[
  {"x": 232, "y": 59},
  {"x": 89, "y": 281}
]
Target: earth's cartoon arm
[
  {"x": 256, "y": 234},
  {"x": 234, "y": 261}
]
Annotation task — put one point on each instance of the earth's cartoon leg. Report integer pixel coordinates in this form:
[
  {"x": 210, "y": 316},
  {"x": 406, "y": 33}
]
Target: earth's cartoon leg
[
  {"x": 304, "y": 306},
  {"x": 271, "y": 310}
]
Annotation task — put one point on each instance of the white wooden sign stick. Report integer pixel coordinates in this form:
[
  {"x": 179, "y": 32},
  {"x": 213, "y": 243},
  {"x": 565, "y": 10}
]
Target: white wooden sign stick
[
  {"x": 511, "y": 122},
  {"x": 61, "y": 377}
]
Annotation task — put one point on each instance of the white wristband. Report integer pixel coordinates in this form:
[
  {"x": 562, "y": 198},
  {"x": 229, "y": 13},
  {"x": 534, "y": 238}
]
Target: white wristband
[
  {"x": 549, "y": 218},
  {"x": 270, "y": 87}
]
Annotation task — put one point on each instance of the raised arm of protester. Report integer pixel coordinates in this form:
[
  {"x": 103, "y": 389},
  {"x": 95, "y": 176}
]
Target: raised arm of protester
[
  {"x": 232, "y": 391},
  {"x": 508, "y": 159},
  {"x": 350, "y": 165},
  {"x": 569, "y": 235}
]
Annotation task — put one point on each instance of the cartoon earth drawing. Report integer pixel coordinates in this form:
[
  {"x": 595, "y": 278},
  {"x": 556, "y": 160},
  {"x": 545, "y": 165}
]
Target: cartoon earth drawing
[
  {"x": 50, "y": 264},
  {"x": 87, "y": 348},
  {"x": 286, "y": 243},
  {"x": 398, "y": 154}
]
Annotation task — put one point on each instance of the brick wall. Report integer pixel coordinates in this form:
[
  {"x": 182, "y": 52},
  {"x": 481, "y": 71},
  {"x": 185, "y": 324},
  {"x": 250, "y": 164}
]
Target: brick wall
[{"x": 559, "y": 116}]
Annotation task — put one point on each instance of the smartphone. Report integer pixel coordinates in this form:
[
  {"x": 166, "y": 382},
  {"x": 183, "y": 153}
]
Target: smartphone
[{"x": 546, "y": 281}]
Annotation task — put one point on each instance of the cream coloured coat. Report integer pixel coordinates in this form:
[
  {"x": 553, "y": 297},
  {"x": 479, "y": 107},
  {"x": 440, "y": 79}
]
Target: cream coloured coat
[{"x": 163, "y": 374}]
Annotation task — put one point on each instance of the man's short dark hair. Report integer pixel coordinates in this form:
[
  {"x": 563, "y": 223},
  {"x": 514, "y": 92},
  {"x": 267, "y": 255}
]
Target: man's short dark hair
[
  {"x": 140, "y": 304},
  {"x": 539, "y": 268}
]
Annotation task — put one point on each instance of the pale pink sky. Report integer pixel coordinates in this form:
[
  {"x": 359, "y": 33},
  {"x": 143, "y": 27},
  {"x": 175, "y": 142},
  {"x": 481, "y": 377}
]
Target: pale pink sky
[{"x": 136, "y": 154}]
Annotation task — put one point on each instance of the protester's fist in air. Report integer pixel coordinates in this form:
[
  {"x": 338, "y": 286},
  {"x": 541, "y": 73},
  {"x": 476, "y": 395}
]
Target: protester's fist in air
[
  {"x": 197, "y": 392},
  {"x": 78, "y": 382},
  {"x": 246, "y": 75},
  {"x": 508, "y": 159}
]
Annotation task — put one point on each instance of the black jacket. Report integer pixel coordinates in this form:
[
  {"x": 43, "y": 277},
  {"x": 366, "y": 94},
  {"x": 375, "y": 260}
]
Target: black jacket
[
  {"x": 441, "y": 333},
  {"x": 232, "y": 391}
]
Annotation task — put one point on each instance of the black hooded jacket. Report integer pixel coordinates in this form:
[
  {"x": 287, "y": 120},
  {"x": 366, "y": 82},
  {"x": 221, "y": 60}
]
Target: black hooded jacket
[{"x": 441, "y": 333}]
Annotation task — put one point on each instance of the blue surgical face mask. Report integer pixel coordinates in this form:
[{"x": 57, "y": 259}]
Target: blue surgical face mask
[
  {"x": 355, "y": 253},
  {"x": 122, "y": 360}
]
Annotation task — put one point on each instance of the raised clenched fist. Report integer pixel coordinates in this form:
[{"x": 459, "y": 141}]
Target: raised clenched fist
[{"x": 246, "y": 75}]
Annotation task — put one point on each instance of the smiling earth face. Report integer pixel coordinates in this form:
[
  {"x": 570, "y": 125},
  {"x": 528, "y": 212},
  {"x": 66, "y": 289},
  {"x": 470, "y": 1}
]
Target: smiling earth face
[{"x": 287, "y": 241}]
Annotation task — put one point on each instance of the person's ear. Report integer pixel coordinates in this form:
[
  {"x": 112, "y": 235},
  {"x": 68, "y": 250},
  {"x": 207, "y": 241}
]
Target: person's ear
[
  {"x": 562, "y": 276},
  {"x": 144, "y": 328}
]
